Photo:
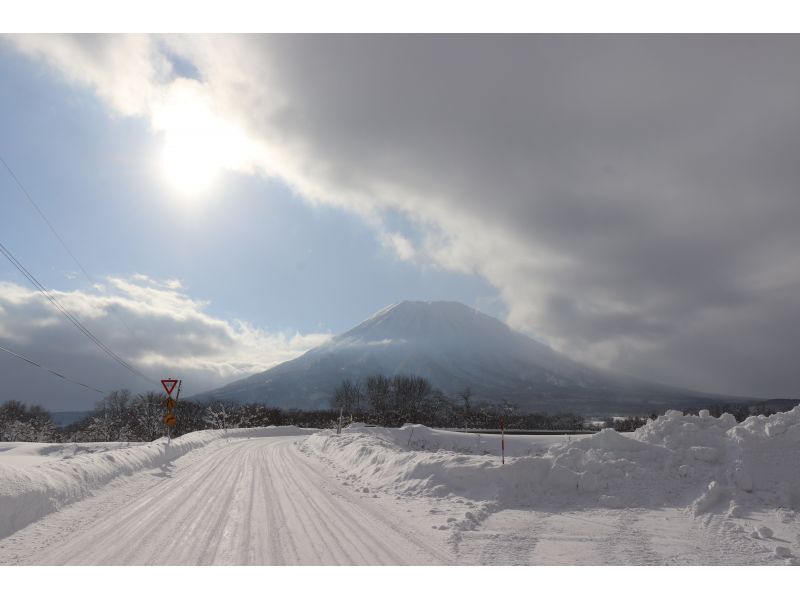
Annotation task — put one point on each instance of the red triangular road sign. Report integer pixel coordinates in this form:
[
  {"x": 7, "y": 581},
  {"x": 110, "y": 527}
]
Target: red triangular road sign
[{"x": 169, "y": 385}]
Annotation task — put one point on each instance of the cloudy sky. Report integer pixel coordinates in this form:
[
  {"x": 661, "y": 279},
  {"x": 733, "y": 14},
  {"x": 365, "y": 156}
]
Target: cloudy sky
[{"x": 633, "y": 201}]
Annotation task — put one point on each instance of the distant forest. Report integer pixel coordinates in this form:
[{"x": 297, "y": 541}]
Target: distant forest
[{"x": 122, "y": 417}]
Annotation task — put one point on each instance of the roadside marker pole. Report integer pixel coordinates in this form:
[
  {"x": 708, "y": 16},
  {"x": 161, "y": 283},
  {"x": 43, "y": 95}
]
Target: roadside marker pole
[
  {"x": 503, "y": 440},
  {"x": 169, "y": 426},
  {"x": 339, "y": 427}
]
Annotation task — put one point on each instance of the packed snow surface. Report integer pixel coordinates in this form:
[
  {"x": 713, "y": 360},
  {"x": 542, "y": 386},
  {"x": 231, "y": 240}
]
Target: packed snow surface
[
  {"x": 69, "y": 472},
  {"x": 250, "y": 498}
]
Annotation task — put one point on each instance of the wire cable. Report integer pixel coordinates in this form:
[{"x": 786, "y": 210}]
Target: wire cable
[
  {"x": 60, "y": 239},
  {"x": 55, "y": 373},
  {"x": 85, "y": 331}
]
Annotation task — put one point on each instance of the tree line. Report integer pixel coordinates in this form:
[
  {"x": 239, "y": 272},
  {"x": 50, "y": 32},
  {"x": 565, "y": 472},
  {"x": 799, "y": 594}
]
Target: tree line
[
  {"x": 384, "y": 401},
  {"x": 21, "y": 423},
  {"x": 393, "y": 401},
  {"x": 123, "y": 417}
]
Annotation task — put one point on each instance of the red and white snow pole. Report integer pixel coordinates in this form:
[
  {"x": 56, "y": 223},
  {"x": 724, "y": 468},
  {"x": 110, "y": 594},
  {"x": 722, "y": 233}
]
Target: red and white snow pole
[{"x": 503, "y": 440}]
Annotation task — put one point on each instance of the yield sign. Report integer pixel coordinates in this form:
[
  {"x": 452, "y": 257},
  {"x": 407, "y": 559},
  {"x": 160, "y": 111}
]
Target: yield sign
[{"x": 169, "y": 385}]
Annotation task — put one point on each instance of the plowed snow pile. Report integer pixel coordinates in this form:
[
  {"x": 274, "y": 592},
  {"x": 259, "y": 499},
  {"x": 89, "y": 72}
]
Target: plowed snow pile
[{"x": 703, "y": 462}]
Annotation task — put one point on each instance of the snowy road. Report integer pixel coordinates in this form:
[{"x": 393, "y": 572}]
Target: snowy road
[
  {"x": 256, "y": 501},
  {"x": 621, "y": 537},
  {"x": 261, "y": 500}
]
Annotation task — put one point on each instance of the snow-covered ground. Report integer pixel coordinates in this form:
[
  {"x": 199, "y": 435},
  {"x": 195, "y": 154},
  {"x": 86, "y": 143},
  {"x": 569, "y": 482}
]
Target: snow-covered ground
[
  {"x": 681, "y": 490},
  {"x": 67, "y": 473},
  {"x": 241, "y": 500},
  {"x": 25, "y": 454}
]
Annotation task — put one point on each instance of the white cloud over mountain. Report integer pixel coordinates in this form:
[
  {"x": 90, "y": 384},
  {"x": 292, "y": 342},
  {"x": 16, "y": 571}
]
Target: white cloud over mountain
[{"x": 156, "y": 326}]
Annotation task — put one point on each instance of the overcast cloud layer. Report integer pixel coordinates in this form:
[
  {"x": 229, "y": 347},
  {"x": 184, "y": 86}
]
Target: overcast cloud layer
[
  {"x": 172, "y": 335},
  {"x": 634, "y": 199}
]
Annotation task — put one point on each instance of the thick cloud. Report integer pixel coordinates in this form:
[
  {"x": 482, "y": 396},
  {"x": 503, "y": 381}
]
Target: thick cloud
[
  {"x": 155, "y": 326},
  {"x": 634, "y": 199}
]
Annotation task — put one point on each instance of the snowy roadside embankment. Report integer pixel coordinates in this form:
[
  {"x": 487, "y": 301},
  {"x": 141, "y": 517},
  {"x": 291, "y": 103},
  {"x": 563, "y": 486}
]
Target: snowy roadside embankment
[
  {"x": 26, "y": 454},
  {"x": 703, "y": 462},
  {"x": 421, "y": 438},
  {"x": 31, "y": 492}
]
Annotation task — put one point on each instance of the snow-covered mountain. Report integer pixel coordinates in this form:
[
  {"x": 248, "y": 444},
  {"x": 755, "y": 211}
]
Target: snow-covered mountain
[{"x": 455, "y": 347}]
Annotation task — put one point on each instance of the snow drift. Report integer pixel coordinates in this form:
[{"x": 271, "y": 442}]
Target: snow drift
[
  {"x": 701, "y": 462},
  {"x": 25, "y": 454},
  {"x": 29, "y": 493}
]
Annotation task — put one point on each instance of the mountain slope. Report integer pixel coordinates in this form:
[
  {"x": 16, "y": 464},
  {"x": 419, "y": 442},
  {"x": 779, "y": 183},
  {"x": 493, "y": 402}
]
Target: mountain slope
[{"x": 455, "y": 347}]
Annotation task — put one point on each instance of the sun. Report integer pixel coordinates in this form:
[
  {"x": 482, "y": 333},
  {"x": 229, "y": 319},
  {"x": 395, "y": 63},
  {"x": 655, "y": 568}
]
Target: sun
[{"x": 198, "y": 144}]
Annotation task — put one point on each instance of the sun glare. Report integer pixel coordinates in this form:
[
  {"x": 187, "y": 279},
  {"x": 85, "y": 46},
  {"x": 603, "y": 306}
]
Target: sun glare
[{"x": 197, "y": 143}]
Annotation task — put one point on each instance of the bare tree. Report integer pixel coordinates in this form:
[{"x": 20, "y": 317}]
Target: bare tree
[
  {"x": 17, "y": 431},
  {"x": 190, "y": 416},
  {"x": 113, "y": 418},
  {"x": 222, "y": 416},
  {"x": 356, "y": 397},
  {"x": 348, "y": 397},
  {"x": 100, "y": 429},
  {"x": 410, "y": 396},
  {"x": 379, "y": 397},
  {"x": 18, "y": 422},
  {"x": 147, "y": 411}
]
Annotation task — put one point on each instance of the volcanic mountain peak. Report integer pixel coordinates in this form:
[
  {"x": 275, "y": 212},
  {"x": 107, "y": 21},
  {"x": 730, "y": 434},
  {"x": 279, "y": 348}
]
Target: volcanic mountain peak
[
  {"x": 455, "y": 347},
  {"x": 438, "y": 322}
]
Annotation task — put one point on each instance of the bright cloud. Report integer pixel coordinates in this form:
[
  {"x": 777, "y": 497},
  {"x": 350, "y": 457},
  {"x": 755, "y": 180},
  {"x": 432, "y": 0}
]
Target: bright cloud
[{"x": 154, "y": 325}]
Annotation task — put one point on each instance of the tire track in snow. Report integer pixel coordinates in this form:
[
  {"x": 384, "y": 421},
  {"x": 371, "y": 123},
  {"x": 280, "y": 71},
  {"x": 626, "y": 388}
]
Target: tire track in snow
[{"x": 255, "y": 501}]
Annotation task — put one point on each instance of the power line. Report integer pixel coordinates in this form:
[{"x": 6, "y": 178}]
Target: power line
[
  {"x": 85, "y": 331},
  {"x": 55, "y": 373},
  {"x": 60, "y": 239}
]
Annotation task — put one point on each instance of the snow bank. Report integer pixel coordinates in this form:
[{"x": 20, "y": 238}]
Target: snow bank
[
  {"x": 25, "y": 454},
  {"x": 418, "y": 437},
  {"x": 698, "y": 461},
  {"x": 31, "y": 492}
]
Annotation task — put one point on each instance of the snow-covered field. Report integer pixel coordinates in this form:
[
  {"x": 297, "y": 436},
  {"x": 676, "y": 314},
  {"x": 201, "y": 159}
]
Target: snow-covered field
[{"x": 681, "y": 490}]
